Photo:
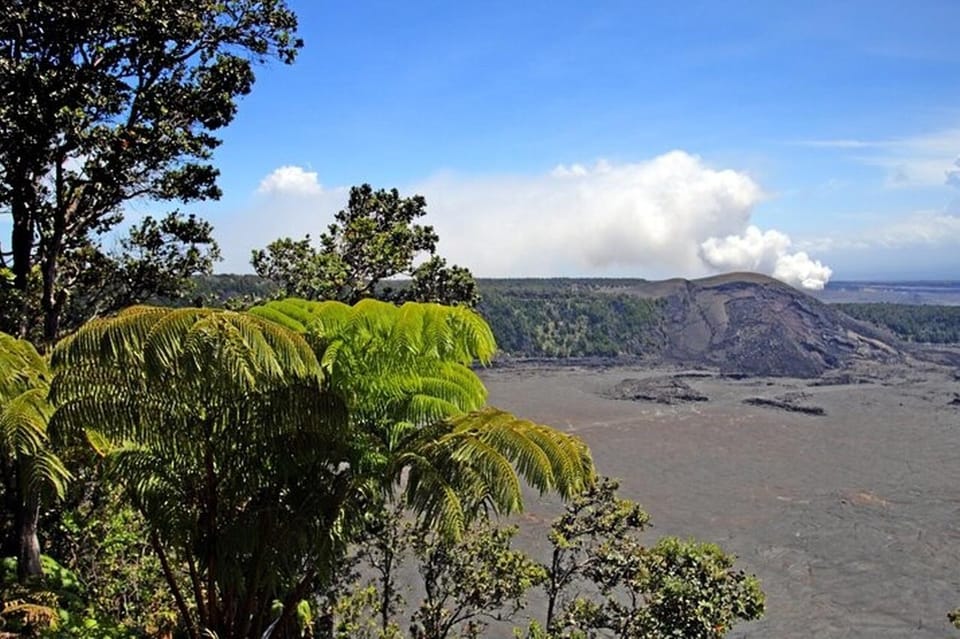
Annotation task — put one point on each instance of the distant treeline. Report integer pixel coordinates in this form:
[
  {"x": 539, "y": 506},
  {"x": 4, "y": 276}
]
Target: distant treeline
[
  {"x": 595, "y": 317},
  {"x": 930, "y": 324},
  {"x": 218, "y": 290},
  {"x": 570, "y": 318},
  {"x": 529, "y": 317}
]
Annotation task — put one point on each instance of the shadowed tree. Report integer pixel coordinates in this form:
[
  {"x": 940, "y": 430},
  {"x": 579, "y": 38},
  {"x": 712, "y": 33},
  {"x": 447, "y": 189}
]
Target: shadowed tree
[
  {"x": 604, "y": 582},
  {"x": 471, "y": 582},
  {"x": 211, "y": 420},
  {"x": 108, "y": 102}
]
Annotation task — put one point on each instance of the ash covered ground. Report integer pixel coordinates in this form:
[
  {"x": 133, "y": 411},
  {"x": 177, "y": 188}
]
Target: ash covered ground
[{"x": 850, "y": 515}]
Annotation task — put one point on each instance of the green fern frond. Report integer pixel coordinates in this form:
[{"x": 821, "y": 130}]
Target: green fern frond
[
  {"x": 25, "y": 413},
  {"x": 430, "y": 495},
  {"x": 23, "y": 422},
  {"x": 21, "y": 367},
  {"x": 45, "y": 470}
]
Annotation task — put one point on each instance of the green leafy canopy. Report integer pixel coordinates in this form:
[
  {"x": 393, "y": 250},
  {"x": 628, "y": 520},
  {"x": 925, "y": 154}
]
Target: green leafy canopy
[
  {"x": 253, "y": 443},
  {"x": 373, "y": 239},
  {"x": 105, "y": 102}
]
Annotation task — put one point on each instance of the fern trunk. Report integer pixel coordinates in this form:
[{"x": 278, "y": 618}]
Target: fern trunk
[
  {"x": 21, "y": 540},
  {"x": 28, "y": 544}
]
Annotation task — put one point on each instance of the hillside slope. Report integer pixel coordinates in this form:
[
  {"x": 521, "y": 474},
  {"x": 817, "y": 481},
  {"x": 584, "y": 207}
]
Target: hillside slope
[{"x": 755, "y": 325}]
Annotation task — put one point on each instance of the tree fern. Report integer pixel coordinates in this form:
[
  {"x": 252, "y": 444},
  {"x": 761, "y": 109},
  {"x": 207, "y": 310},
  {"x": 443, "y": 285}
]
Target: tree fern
[
  {"x": 254, "y": 442},
  {"x": 405, "y": 374},
  {"x": 34, "y": 469},
  {"x": 223, "y": 431}
]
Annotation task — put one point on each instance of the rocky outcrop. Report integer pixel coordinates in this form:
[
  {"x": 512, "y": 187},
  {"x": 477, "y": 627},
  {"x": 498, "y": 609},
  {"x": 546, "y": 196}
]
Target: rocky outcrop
[
  {"x": 749, "y": 324},
  {"x": 662, "y": 390}
]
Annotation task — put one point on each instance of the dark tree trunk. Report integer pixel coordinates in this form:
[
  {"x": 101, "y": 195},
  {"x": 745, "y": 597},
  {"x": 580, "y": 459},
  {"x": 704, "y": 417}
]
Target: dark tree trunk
[
  {"x": 553, "y": 588},
  {"x": 22, "y": 240},
  {"x": 23, "y": 508},
  {"x": 11, "y": 506},
  {"x": 28, "y": 551},
  {"x": 22, "y": 250},
  {"x": 50, "y": 301}
]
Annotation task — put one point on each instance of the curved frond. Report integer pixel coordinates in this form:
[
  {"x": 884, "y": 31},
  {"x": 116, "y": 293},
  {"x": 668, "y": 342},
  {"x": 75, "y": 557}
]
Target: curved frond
[
  {"x": 25, "y": 415},
  {"x": 406, "y": 363},
  {"x": 480, "y": 458},
  {"x": 21, "y": 367},
  {"x": 23, "y": 422}
]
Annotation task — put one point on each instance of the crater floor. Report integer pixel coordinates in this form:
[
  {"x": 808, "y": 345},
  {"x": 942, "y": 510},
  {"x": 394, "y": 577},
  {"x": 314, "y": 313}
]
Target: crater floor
[{"x": 851, "y": 519}]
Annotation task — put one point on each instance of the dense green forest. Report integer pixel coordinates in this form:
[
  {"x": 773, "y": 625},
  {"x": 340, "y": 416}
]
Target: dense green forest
[
  {"x": 529, "y": 317},
  {"x": 569, "y": 318},
  {"x": 230, "y": 289},
  {"x": 927, "y": 323}
]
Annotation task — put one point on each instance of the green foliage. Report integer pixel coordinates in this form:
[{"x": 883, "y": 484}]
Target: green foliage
[
  {"x": 915, "y": 323},
  {"x": 212, "y": 419},
  {"x": 155, "y": 261},
  {"x": 31, "y": 470},
  {"x": 104, "y": 540},
  {"x": 404, "y": 374},
  {"x": 382, "y": 548},
  {"x": 471, "y": 580},
  {"x": 356, "y": 616},
  {"x": 570, "y": 318},
  {"x": 673, "y": 589},
  {"x": 593, "y": 518},
  {"x": 109, "y": 101},
  {"x": 529, "y": 318},
  {"x": 373, "y": 239},
  {"x": 57, "y": 609},
  {"x": 233, "y": 291},
  {"x": 676, "y": 588},
  {"x": 464, "y": 582}
]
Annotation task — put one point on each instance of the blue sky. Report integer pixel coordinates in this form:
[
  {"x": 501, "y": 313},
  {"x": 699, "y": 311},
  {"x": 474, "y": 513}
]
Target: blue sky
[{"x": 618, "y": 138}]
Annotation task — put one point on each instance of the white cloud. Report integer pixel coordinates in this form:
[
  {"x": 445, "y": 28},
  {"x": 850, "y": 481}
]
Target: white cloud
[
  {"x": 953, "y": 174},
  {"x": 290, "y": 180},
  {"x": 618, "y": 219},
  {"x": 916, "y": 230},
  {"x": 649, "y": 219},
  {"x": 923, "y": 227},
  {"x": 914, "y": 161},
  {"x": 765, "y": 252}
]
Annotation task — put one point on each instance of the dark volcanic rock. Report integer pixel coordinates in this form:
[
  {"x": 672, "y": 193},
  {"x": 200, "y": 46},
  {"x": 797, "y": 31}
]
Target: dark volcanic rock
[
  {"x": 791, "y": 402},
  {"x": 839, "y": 379},
  {"x": 663, "y": 390},
  {"x": 748, "y": 324}
]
